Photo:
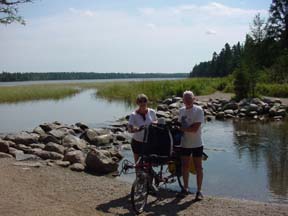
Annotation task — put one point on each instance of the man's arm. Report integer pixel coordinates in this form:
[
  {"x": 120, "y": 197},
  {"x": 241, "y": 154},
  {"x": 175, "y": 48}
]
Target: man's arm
[{"x": 193, "y": 128}]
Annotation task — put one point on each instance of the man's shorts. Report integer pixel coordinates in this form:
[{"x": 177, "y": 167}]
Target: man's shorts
[
  {"x": 136, "y": 146},
  {"x": 195, "y": 152}
]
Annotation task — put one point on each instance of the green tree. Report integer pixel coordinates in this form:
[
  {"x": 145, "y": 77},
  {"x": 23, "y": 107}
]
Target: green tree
[
  {"x": 241, "y": 82},
  {"x": 278, "y": 22},
  {"x": 9, "y": 11}
]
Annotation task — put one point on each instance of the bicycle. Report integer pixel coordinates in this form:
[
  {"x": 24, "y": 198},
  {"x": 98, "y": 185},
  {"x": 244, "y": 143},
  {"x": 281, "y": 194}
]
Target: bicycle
[{"x": 160, "y": 151}]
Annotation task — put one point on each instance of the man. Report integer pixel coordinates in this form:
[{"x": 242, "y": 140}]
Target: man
[{"x": 191, "y": 117}]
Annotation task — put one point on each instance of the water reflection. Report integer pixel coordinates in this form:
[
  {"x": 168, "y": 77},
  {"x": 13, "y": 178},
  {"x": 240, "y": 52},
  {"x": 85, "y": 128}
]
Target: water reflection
[{"x": 267, "y": 142}]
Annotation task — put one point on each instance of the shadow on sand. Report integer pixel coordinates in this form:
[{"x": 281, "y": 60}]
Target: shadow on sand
[{"x": 165, "y": 203}]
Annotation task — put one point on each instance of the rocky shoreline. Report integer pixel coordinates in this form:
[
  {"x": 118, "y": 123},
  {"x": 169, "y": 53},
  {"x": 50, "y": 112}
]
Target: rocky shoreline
[{"x": 97, "y": 150}]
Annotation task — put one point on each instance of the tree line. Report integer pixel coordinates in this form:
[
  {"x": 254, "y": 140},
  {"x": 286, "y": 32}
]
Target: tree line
[
  {"x": 263, "y": 57},
  {"x": 9, "y": 77}
]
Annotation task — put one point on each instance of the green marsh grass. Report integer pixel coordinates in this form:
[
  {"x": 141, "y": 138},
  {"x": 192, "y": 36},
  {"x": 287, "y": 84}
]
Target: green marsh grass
[
  {"x": 13, "y": 94},
  {"x": 128, "y": 90}
]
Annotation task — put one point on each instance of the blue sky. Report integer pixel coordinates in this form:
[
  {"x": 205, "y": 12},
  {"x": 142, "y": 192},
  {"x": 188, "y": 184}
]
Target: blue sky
[{"x": 123, "y": 36}]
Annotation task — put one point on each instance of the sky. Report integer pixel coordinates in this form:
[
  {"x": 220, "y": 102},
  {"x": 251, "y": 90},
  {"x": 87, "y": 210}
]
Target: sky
[{"x": 140, "y": 36}]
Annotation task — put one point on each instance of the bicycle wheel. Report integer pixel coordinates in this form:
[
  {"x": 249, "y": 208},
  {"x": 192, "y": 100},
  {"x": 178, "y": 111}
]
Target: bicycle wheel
[{"x": 139, "y": 192}]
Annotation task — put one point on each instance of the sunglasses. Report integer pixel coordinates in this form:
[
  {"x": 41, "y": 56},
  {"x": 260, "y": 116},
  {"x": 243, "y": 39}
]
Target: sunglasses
[{"x": 142, "y": 101}]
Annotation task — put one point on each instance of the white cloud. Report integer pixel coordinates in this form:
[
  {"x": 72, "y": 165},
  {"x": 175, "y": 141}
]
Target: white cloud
[{"x": 210, "y": 32}]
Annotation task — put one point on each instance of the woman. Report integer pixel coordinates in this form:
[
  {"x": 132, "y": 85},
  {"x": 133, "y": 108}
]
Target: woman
[{"x": 139, "y": 118}]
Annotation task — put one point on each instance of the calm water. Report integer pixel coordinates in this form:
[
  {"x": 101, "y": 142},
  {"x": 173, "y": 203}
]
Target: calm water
[
  {"x": 84, "y": 107},
  {"x": 247, "y": 160}
]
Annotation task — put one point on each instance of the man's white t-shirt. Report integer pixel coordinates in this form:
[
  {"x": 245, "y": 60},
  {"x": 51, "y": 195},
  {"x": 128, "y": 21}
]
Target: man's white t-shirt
[
  {"x": 136, "y": 120},
  {"x": 187, "y": 117}
]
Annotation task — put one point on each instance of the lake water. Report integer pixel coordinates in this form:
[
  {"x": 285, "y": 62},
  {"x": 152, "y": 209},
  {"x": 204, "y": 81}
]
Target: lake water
[{"x": 247, "y": 160}]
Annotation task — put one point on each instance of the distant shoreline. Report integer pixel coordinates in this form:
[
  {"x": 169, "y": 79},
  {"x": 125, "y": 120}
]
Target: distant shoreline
[{"x": 53, "y": 76}]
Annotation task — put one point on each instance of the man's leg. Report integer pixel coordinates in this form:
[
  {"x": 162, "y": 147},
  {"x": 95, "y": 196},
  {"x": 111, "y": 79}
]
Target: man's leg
[
  {"x": 199, "y": 175},
  {"x": 185, "y": 170}
]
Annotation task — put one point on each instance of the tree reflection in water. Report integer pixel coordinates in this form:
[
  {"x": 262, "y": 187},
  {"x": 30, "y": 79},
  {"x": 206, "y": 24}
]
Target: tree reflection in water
[{"x": 266, "y": 142}]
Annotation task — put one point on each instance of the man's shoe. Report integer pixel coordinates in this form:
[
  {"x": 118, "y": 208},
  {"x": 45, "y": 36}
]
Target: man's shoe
[
  {"x": 199, "y": 196},
  {"x": 183, "y": 193}
]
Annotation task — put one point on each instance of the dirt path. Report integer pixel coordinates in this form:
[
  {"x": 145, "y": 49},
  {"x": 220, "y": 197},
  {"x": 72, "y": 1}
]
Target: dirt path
[{"x": 58, "y": 191}]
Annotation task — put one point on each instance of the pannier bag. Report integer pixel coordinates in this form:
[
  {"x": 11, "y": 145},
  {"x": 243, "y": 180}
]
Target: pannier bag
[{"x": 157, "y": 140}]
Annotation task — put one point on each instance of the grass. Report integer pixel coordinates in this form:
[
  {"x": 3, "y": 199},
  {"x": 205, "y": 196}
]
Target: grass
[
  {"x": 13, "y": 94},
  {"x": 128, "y": 90}
]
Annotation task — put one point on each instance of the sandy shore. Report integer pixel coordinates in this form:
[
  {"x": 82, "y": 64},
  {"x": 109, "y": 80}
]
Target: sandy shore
[{"x": 29, "y": 191}]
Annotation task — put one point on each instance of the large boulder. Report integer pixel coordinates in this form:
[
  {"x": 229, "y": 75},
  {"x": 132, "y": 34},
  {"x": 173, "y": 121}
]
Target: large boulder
[
  {"x": 23, "y": 138},
  {"x": 54, "y": 147},
  {"x": 73, "y": 141},
  {"x": 99, "y": 162},
  {"x": 75, "y": 157},
  {"x": 50, "y": 126},
  {"x": 4, "y": 146},
  {"x": 49, "y": 155},
  {"x": 46, "y": 138},
  {"x": 4, "y": 155},
  {"x": 78, "y": 167}
]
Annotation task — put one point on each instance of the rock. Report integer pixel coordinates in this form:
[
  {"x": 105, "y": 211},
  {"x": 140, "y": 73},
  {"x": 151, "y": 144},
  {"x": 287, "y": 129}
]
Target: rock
[
  {"x": 229, "y": 112},
  {"x": 4, "y": 146},
  {"x": 23, "y": 138},
  {"x": 14, "y": 152},
  {"x": 38, "y": 145},
  {"x": 54, "y": 147},
  {"x": 91, "y": 134},
  {"x": 101, "y": 140},
  {"x": 176, "y": 99},
  {"x": 26, "y": 157},
  {"x": 29, "y": 164},
  {"x": 75, "y": 157},
  {"x": 252, "y": 107},
  {"x": 220, "y": 116},
  {"x": 78, "y": 167},
  {"x": 252, "y": 113},
  {"x": 163, "y": 114},
  {"x": 39, "y": 130},
  {"x": 82, "y": 126},
  {"x": 46, "y": 138},
  {"x": 231, "y": 106},
  {"x": 4, "y": 155},
  {"x": 273, "y": 111},
  {"x": 98, "y": 162},
  {"x": 162, "y": 107},
  {"x": 73, "y": 141},
  {"x": 281, "y": 112},
  {"x": 168, "y": 101},
  {"x": 115, "y": 153},
  {"x": 59, "y": 133},
  {"x": 174, "y": 105},
  {"x": 49, "y": 126},
  {"x": 49, "y": 155},
  {"x": 62, "y": 163},
  {"x": 121, "y": 137}
]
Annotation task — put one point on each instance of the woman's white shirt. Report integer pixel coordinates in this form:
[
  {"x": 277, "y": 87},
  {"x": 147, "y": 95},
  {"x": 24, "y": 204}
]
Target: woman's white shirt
[{"x": 136, "y": 120}]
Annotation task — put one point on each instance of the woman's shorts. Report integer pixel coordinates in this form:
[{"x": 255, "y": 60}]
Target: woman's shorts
[
  {"x": 195, "y": 152},
  {"x": 136, "y": 146}
]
